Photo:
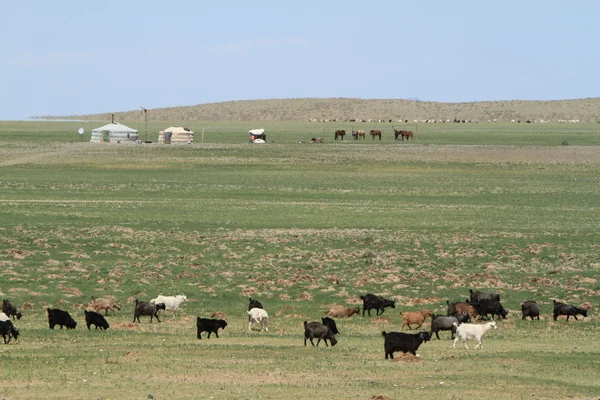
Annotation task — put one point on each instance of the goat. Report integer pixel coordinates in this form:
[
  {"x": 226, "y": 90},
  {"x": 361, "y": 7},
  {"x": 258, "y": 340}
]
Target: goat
[
  {"x": 210, "y": 326},
  {"x": 404, "y": 342},
  {"x": 371, "y": 301},
  {"x": 4, "y": 317},
  {"x": 530, "y": 309},
  {"x": 478, "y": 296},
  {"x": 143, "y": 308},
  {"x": 330, "y": 323},
  {"x": 60, "y": 317},
  {"x": 472, "y": 331},
  {"x": 446, "y": 323},
  {"x": 93, "y": 318},
  {"x": 341, "y": 311},
  {"x": 493, "y": 307},
  {"x": 254, "y": 304},
  {"x": 414, "y": 317},
  {"x": 258, "y": 316},
  {"x": 171, "y": 303},
  {"x": 10, "y": 309},
  {"x": 568, "y": 310},
  {"x": 8, "y": 329},
  {"x": 104, "y": 304},
  {"x": 462, "y": 308},
  {"x": 317, "y": 330}
]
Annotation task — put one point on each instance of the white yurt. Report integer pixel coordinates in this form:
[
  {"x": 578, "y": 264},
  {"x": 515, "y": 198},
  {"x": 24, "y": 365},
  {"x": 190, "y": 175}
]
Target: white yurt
[
  {"x": 113, "y": 133},
  {"x": 176, "y": 134}
]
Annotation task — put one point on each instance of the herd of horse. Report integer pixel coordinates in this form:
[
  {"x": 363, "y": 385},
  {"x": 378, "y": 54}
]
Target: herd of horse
[{"x": 360, "y": 134}]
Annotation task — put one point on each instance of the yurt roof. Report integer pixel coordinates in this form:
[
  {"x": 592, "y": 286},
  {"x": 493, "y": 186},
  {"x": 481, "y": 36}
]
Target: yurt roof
[
  {"x": 115, "y": 127},
  {"x": 177, "y": 129},
  {"x": 256, "y": 131}
]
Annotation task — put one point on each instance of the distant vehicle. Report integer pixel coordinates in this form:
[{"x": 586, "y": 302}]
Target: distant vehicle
[{"x": 257, "y": 136}]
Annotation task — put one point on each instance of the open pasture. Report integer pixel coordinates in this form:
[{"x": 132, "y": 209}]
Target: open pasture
[{"x": 298, "y": 226}]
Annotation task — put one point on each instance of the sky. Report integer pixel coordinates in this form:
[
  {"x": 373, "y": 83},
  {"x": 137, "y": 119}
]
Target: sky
[{"x": 73, "y": 57}]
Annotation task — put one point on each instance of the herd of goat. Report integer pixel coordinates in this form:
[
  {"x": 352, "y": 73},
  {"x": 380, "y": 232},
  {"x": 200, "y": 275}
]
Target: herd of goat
[{"x": 480, "y": 305}]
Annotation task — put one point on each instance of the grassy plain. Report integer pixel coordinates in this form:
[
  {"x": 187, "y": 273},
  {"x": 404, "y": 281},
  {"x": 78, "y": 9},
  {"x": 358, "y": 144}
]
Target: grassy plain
[{"x": 299, "y": 226}]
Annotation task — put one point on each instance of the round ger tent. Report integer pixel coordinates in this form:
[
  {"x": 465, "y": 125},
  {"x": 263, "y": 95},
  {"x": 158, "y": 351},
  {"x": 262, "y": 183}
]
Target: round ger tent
[
  {"x": 113, "y": 133},
  {"x": 176, "y": 134}
]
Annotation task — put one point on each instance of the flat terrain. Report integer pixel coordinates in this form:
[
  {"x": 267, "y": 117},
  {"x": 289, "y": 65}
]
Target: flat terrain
[{"x": 507, "y": 208}]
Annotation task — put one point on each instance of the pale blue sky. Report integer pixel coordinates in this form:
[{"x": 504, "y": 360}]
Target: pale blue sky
[{"x": 68, "y": 57}]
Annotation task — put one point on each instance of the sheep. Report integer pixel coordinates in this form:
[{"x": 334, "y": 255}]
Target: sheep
[
  {"x": 10, "y": 309},
  {"x": 446, "y": 323},
  {"x": 341, "y": 311},
  {"x": 371, "y": 301},
  {"x": 104, "y": 304},
  {"x": 530, "y": 309},
  {"x": 478, "y": 296},
  {"x": 258, "y": 316},
  {"x": 8, "y": 329},
  {"x": 404, "y": 342},
  {"x": 568, "y": 310},
  {"x": 472, "y": 331},
  {"x": 209, "y": 325},
  {"x": 330, "y": 323},
  {"x": 493, "y": 307},
  {"x": 254, "y": 304},
  {"x": 60, "y": 317},
  {"x": 462, "y": 308},
  {"x": 171, "y": 303},
  {"x": 93, "y": 318},
  {"x": 317, "y": 330},
  {"x": 143, "y": 308},
  {"x": 414, "y": 317}
]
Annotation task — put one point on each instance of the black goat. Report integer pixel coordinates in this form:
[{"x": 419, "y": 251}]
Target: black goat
[
  {"x": 568, "y": 310},
  {"x": 10, "y": 309},
  {"x": 371, "y": 301},
  {"x": 143, "y": 308},
  {"x": 492, "y": 307},
  {"x": 210, "y": 326},
  {"x": 317, "y": 330},
  {"x": 446, "y": 323},
  {"x": 93, "y": 318},
  {"x": 404, "y": 342},
  {"x": 330, "y": 323},
  {"x": 530, "y": 309},
  {"x": 60, "y": 317},
  {"x": 8, "y": 329},
  {"x": 254, "y": 304},
  {"x": 477, "y": 296}
]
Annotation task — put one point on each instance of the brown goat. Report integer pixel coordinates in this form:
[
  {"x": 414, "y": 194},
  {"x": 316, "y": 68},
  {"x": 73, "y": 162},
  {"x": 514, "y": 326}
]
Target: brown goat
[
  {"x": 462, "y": 308},
  {"x": 104, "y": 304},
  {"x": 414, "y": 317},
  {"x": 341, "y": 311}
]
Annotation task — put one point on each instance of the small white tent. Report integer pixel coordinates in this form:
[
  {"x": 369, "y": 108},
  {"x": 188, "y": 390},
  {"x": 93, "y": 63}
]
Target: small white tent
[
  {"x": 113, "y": 133},
  {"x": 176, "y": 134}
]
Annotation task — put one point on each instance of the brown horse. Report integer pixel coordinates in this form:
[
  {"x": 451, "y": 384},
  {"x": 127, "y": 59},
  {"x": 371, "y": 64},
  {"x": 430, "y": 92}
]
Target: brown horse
[
  {"x": 375, "y": 132},
  {"x": 340, "y": 133},
  {"x": 408, "y": 135},
  {"x": 361, "y": 134}
]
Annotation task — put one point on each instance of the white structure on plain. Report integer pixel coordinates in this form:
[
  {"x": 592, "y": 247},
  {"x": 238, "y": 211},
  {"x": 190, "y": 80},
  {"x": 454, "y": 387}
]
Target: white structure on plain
[
  {"x": 176, "y": 134},
  {"x": 114, "y": 133}
]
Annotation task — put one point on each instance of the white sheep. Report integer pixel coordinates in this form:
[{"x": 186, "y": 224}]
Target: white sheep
[
  {"x": 172, "y": 303},
  {"x": 472, "y": 331},
  {"x": 258, "y": 316}
]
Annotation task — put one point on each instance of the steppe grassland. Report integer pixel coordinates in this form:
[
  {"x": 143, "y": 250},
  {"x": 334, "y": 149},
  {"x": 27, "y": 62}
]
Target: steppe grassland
[{"x": 299, "y": 226}]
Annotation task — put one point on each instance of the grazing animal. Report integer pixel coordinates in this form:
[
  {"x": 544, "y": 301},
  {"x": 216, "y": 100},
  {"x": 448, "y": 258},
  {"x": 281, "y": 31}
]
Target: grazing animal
[
  {"x": 254, "y": 304},
  {"x": 446, "y": 323},
  {"x": 530, "y": 309},
  {"x": 4, "y": 317},
  {"x": 375, "y": 132},
  {"x": 10, "y": 309},
  {"x": 93, "y": 318},
  {"x": 330, "y": 323},
  {"x": 414, "y": 317},
  {"x": 60, "y": 317},
  {"x": 493, "y": 307},
  {"x": 404, "y": 342},
  {"x": 568, "y": 310},
  {"x": 317, "y": 140},
  {"x": 171, "y": 303},
  {"x": 258, "y": 316},
  {"x": 462, "y": 308},
  {"x": 408, "y": 135},
  {"x": 340, "y": 133},
  {"x": 319, "y": 331},
  {"x": 143, "y": 308},
  {"x": 7, "y": 329},
  {"x": 361, "y": 134},
  {"x": 478, "y": 296},
  {"x": 104, "y": 304},
  {"x": 341, "y": 311},
  {"x": 355, "y": 135},
  {"x": 472, "y": 331},
  {"x": 210, "y": 326},
  {"x": 371, "y": 301}
]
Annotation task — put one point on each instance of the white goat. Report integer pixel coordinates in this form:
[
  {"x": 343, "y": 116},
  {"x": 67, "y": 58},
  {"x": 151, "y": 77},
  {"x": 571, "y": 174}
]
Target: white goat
[
  {"x": 3, "y": 317},
  {"x": 258, "y": 316},
  {"x": 172, "y": 303},
  {"x": 472, "y": 331}
]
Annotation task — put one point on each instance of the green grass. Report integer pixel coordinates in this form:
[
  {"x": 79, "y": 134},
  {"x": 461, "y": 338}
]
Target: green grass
[{"x": 299, "y": 226}]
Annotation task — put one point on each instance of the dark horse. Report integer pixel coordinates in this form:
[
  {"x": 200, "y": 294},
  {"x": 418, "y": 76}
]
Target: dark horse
[
  {"x": 375, "y": 133},
  {"x": 340, "y": 133},
  {"x": 355, "y": 135}
]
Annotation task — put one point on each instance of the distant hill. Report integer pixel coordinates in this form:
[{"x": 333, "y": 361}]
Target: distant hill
[{"x": 584, "y": 110}]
